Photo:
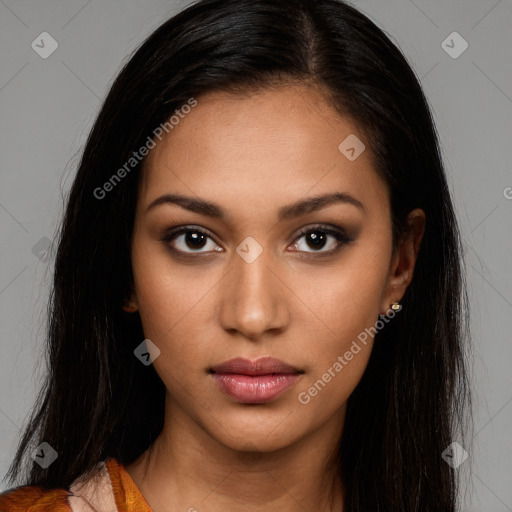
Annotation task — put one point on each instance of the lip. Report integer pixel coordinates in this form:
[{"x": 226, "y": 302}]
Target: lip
[{"x": 259, "y": 381}]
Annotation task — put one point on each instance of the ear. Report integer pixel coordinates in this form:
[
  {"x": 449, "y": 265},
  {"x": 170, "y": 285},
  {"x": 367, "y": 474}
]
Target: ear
[
  {"x": 404, "y": 259},
  {"x": 131, "y": 305}
]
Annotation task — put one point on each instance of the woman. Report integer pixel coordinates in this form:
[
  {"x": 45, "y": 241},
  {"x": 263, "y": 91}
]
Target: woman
[{"x": 259, "y": 297}]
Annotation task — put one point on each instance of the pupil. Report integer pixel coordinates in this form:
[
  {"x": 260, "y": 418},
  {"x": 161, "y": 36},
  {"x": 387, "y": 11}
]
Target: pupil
[
  {"x": 196, "y": 240},
  {"x": 316, "y": 240}
]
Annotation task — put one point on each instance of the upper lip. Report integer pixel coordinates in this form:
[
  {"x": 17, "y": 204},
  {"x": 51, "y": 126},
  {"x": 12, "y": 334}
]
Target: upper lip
[{"x": 261, "y": 366}]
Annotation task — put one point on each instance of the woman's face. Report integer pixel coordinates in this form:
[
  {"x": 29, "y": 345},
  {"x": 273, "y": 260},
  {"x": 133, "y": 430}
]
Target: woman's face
[{"x": 243, "y": 282}]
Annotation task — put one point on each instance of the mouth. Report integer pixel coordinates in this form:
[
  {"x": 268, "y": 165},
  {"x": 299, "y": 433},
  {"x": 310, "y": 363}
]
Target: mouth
[{"x": 254, "y": 382}]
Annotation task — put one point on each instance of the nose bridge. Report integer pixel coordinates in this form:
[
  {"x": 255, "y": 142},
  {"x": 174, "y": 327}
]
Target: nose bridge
[{"x": 253, "y": 302}]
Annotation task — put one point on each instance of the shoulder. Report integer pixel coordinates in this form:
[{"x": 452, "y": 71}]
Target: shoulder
[
  {"x": 31, "y": 499},
  {"x": 87, "y": 493}
]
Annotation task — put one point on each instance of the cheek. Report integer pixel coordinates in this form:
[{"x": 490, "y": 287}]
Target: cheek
[
  {"x": 172, "y": 316},
  {"x": 172, "y": 301},
  {"x": 346, "y": 306},
  {"x": 345, "y": 297}
]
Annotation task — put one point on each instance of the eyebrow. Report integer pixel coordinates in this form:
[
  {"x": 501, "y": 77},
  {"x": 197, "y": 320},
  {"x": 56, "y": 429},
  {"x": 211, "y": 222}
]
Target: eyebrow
[{"x": 288, "y": 212}]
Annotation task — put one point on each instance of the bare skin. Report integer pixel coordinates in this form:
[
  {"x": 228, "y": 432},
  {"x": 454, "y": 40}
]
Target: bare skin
[{"x": 203, "y": 305}]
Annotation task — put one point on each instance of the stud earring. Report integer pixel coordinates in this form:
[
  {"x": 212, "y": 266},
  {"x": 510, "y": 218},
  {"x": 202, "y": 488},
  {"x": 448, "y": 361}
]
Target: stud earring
[
  {"x": 130, "y": 309},
  {"x": 396, "y": 306}
]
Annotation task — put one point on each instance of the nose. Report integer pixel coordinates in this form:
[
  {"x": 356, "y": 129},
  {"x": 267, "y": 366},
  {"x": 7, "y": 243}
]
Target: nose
[{"x": 254, "y": 299}]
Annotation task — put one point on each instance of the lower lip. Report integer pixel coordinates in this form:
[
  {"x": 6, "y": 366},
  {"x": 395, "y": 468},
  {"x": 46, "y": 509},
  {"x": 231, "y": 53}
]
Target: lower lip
[{"x": 254, "y": 389}]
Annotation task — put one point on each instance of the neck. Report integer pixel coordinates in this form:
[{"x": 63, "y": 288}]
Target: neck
[{"x": 187, "y": 469}]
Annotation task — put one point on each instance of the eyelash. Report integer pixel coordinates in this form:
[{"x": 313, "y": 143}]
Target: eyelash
[{"x": 340, "y": 235}]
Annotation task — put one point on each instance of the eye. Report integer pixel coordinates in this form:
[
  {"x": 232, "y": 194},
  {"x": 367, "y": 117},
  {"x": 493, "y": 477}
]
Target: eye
[
  {"x": 320, "y": 236},
  {"x": 183, "y": 239},
  {"x": 190, "y": 240}
]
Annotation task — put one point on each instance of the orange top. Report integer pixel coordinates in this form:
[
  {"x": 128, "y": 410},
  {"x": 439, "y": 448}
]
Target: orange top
[{"x": 111, "y": 490}]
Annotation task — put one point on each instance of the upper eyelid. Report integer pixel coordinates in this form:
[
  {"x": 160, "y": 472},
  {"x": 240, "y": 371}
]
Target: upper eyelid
[
  {"x": 305, "y": 229},
  {"x": 319, "y": 226}
]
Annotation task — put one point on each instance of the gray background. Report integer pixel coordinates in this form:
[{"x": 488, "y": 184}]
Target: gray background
[{"x": 47, "y": 107}]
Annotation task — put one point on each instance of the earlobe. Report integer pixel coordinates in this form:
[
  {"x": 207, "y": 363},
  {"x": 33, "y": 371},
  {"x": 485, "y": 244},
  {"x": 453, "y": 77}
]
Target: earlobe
[{"x": 405, "y": 257}]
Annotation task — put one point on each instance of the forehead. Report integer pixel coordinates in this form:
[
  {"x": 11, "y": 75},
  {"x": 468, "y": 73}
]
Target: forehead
[{"x": 278, "y": 142}]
